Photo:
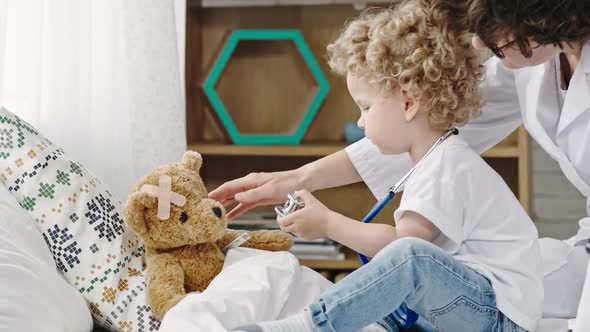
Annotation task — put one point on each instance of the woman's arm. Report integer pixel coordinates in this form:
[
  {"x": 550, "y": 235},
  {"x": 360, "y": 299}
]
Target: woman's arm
[
  {"x": 271, "y": 188},
  {"x": 500, "y": 114}
]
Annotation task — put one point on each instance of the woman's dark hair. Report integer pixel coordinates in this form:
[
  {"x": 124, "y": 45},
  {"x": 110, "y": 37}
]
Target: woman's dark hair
[{"x": 543, "y": 21}]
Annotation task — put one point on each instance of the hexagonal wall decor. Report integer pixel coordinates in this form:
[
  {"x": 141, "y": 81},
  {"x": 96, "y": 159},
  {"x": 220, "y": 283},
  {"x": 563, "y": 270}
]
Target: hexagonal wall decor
[{"x": 224, "y": 116}]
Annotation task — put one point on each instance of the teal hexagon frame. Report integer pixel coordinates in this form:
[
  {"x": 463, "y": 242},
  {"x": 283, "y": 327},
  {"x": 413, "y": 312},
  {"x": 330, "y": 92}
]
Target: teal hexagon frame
[{"x": 218, "y": 106}]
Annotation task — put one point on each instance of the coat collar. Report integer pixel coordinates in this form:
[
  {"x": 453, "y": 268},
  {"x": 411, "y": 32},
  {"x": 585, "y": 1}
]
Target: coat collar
[
  {"x": 537, "y": 95},
  {"x": 577, "y": 100},
  {"x": 586, "y": 57}
]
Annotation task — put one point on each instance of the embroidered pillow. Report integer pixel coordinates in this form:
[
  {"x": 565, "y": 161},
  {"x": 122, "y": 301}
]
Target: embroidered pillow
[{"x": 81, "y": 224}]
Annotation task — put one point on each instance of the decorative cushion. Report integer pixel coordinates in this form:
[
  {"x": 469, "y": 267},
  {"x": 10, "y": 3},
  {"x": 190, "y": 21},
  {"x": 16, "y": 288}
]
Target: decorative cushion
[
  {"x": 29, "y": 280},
  {"x": 81, "y": 224}
]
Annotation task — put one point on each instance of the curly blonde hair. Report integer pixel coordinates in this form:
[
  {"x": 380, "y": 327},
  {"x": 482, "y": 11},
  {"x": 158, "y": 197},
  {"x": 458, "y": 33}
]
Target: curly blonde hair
[{"x": 399, "y": 48}]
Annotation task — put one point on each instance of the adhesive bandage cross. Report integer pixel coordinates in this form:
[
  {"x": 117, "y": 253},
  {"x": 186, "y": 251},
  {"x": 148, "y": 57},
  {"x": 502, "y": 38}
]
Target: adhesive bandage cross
[{"x": 163, "y": 192}]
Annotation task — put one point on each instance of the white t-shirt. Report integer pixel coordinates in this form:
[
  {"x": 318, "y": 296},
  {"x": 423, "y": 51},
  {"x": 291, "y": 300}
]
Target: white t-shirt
[{"x": 482, "y": 225}]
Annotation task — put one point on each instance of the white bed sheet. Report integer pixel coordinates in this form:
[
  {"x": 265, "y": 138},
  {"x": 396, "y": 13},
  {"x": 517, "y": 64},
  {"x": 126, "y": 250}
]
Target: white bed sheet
[
  {"x": 253, "y": 286},
  {"x": 554, "y": 325}
]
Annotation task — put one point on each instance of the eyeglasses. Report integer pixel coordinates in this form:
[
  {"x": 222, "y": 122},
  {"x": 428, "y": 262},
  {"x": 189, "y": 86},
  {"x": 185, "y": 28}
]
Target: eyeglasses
[{"x": 499, "y": 51}]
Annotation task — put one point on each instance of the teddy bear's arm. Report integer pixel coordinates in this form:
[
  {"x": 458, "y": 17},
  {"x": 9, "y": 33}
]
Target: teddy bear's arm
[
  {"x": 272, "y": 240},
  {"x": 165, "y": 280}
]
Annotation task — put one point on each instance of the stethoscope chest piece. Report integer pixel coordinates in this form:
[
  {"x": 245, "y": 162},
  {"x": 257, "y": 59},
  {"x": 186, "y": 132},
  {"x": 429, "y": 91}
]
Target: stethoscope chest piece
[{"x": 292, "y": 204}]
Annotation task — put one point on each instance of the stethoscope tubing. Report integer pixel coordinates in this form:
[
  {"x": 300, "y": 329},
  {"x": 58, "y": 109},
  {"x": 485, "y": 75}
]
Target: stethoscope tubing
[{"x": 404, "y": 315}]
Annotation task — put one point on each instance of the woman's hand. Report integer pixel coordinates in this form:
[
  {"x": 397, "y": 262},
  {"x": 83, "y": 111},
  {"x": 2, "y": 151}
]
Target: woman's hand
[
  {"x": 257, "y": 189},
  {"x": 310, "y": 222},
  {"x": 272, "y": 188}
]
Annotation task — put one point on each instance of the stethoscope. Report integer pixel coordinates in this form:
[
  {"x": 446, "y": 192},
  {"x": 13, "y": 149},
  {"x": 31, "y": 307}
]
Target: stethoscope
[{"x": 404, "y": 315}]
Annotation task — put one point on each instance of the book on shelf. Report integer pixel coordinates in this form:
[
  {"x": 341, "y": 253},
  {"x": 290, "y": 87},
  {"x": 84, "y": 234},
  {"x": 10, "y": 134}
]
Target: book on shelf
[
  {"x": 321, "y": 240},
  {"x": 253, "y": 221},
  {"x": 254, "y": 227},
  {"x": 254, "y": 218},
  {"x": 299, "y": 248},
  {"x": 319, "y": 249},
  {"x": 338, "y": 257}
]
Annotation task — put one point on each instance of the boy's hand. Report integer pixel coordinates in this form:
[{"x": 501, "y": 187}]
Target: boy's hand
[{"x": 308, "y": 223}]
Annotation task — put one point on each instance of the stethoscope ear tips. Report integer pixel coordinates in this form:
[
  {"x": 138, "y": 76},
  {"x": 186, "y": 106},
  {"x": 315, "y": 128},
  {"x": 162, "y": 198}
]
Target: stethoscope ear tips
[{"x": 455, "y": 131}]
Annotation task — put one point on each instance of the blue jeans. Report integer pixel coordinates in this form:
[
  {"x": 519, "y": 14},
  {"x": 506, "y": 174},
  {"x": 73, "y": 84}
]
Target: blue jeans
[{"x": 448, "y": 296}]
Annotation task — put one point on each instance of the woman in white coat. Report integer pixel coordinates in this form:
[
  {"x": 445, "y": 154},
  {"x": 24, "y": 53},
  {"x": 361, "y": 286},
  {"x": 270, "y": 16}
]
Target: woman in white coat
[{"x": 539, "y": 78}]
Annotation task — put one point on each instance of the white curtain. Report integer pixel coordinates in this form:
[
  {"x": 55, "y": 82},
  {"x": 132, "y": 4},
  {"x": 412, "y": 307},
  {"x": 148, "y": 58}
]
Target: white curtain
[{"x": 101, "y": 78}]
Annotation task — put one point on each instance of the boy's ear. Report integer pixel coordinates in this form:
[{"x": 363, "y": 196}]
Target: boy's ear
[{"x": 411, "y": 108}]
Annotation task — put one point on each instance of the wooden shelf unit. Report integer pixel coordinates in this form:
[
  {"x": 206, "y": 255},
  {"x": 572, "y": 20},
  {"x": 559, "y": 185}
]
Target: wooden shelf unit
[{"x": 319, "y": 24}]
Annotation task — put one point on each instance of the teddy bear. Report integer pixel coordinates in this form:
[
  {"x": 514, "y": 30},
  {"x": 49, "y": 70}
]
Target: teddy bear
[{"x": 184, "y": 232}]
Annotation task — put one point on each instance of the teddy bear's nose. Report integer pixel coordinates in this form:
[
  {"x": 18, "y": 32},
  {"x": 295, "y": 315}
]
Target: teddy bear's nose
[{"x": 217, "y": 212}]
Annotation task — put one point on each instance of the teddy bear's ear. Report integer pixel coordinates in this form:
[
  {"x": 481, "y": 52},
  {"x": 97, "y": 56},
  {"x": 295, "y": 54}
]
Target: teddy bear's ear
[
  {"x": 134, "y": 212},
  {"x": 192, "y": 160}
]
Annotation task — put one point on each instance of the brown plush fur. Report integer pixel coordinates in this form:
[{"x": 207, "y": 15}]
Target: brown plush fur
[{"x": 182, "y": 257}]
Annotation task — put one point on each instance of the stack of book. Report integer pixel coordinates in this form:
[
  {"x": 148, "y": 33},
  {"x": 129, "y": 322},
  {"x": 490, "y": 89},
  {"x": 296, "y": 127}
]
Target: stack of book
[
  {"x": 253, "y": 221},
  {"x": 320, "y": 249}
]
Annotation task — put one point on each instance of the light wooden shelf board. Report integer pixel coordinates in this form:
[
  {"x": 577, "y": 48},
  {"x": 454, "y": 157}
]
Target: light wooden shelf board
[
  {"x": 502, "y": 152},
  {"x": 351, "y": 262},
  {"x": 254, "y": 3},
  {"x": 310, "y": 150}
]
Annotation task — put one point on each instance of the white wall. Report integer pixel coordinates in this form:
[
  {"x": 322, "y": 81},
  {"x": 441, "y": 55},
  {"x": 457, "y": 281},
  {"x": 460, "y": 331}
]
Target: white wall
[{"x": 557, "y": 204}]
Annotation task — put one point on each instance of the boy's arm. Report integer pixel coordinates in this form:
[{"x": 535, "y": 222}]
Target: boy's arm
[
  {"x": 412, "y": 224},
  {"x": 369, "y": 239}
]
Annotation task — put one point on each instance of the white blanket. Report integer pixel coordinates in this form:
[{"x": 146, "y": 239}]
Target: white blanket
[
  {"x": 253, "y": 286},
  {"x": 555, "y": 325},
  {"x": 257, "y": 285}
]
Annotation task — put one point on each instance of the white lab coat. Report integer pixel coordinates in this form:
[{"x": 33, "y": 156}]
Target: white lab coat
[{"x": 527, "y": 96}]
